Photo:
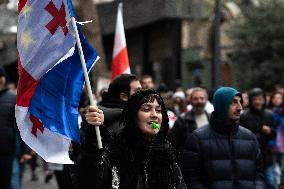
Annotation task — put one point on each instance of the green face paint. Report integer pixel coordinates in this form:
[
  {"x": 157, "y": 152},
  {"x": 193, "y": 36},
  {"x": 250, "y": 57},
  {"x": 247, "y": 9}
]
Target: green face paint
[{"x": 155, "y": 125}]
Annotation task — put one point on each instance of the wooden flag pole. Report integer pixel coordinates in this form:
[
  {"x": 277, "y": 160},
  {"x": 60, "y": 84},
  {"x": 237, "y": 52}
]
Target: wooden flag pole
[{"x": 87, "y": 80}]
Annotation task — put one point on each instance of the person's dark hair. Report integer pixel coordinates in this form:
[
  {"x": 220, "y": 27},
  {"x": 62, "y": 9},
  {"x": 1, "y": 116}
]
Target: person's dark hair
[
  {"x": 121, "y": 84},
  {"x": 131, "y": 131}
]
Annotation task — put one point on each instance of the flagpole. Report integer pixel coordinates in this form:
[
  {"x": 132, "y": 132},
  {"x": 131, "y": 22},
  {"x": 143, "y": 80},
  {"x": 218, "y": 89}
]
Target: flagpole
[{"x": 87, "y": 80}]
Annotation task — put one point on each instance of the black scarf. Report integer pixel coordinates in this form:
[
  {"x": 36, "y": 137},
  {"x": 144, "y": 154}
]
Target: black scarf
[
  {"x": 156, "y": 159},
  {"x": 148, "y": 164}
]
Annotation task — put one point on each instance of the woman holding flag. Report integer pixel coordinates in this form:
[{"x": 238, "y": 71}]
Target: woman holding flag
[{"x": 143, "y": 156}]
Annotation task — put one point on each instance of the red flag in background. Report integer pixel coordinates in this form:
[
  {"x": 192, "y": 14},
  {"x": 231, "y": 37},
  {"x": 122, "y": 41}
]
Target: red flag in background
[{"x": 120, "y": 63}]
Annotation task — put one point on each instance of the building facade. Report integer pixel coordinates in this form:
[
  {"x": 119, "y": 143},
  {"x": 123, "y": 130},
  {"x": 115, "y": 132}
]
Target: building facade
[
  {"x": 168, "y": 39},
  {"x": 171, "y": 40}
]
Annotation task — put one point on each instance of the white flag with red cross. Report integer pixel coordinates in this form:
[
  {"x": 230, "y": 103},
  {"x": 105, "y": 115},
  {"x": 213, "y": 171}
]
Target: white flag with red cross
[{"x": 50, "y": 77}]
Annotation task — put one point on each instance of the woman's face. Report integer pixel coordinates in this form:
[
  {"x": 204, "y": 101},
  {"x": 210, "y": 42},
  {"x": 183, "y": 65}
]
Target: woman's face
[
  {"x": 277, "y": 100},
  {"x": 149, "y": 112}
]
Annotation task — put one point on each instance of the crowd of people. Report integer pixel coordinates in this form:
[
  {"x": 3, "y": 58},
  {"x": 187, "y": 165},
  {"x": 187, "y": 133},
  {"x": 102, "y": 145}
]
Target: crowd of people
[
  {"x": 225, "y": 140},
  {"x": 157, "y": 138}
]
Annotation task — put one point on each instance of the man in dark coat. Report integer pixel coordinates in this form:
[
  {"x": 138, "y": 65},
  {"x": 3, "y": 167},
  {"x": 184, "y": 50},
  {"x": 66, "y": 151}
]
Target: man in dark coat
[
  {"x": 259, "y": 120},
  {"x": 113, "y": 100},
  {"x": 189, "y": 121},
  {"x": 8, "y": 134},
  {"x": 223, "y": 155}
]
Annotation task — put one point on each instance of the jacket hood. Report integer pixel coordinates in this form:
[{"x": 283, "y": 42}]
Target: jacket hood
[{"x": 222, "y": 99}]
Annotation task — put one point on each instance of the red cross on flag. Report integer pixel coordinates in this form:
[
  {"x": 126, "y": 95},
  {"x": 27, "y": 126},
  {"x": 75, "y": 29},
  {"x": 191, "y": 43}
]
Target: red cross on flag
[
  {"x": 120, "y": 63},
  {"x": 50, "y": 77},
  {"x": 58, "y": 18}
]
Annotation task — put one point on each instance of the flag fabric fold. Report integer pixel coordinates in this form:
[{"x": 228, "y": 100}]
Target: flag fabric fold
[
  {"x": 120, "y": 62},
  {"x": 50, "y": 77}
]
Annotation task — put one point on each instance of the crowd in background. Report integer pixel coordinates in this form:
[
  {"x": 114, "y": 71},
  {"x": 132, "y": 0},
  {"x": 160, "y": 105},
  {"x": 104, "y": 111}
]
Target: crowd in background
[
  {"x": 189, "y": 109},
  {"x": 263, "y": 114}
]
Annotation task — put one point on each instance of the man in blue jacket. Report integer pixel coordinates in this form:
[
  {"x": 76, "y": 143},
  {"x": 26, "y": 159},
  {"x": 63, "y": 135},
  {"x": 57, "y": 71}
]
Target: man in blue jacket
[{"x": 223, "y": 154}]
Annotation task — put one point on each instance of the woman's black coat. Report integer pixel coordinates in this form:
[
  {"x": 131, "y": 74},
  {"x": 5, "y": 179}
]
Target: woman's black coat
[{"x": 94, "y": 167}]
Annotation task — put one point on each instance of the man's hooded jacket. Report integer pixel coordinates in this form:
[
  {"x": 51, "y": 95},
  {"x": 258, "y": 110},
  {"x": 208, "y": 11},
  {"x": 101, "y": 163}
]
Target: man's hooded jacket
[{"x": 222, "y": 154}]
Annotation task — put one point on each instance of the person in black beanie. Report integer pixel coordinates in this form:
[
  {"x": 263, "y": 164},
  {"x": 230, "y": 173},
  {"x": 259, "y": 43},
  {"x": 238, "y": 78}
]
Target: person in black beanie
[
  {"x": 143, "y": 156},
  {"x": 223, "y": 155},
  {"x": 260, "y": 121}
]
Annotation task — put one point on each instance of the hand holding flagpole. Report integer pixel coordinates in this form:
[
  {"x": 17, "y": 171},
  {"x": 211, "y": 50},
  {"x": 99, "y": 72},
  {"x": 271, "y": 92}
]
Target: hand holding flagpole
[{"x": 87, "y": 80}]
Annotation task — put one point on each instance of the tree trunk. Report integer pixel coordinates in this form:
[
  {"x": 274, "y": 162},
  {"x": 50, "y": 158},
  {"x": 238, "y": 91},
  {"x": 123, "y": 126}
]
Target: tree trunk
[{"x": 86, "y": 10}]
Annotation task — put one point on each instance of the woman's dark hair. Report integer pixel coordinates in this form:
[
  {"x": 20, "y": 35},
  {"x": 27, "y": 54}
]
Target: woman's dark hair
[{"x": 131, "y": 131}]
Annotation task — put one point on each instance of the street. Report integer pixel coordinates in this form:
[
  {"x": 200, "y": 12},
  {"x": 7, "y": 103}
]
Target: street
[{"x": 39, "y": 184}]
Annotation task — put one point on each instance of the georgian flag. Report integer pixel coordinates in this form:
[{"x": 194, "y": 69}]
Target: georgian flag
[{"x": 50, "y": 77}]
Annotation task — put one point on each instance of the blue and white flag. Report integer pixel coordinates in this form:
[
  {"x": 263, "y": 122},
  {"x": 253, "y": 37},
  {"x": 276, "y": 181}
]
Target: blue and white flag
[{"x": 50, "y": 77}]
